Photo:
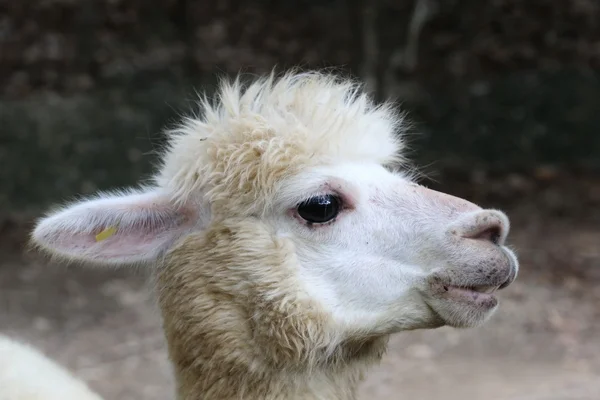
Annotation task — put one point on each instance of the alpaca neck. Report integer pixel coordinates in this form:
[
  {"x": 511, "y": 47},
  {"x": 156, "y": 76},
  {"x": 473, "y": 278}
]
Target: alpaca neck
[
  {"x": 238, "y": 325},
  {"x": 219, "y": 352},
  {"x": 221, "y": 377}
]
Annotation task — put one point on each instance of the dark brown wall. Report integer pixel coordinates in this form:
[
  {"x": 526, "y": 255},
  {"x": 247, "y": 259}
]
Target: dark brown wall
[{"x": 85, "y": 86}]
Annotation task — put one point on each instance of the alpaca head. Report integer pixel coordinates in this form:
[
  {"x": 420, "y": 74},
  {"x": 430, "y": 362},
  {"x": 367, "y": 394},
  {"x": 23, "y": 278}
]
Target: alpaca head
[{"x": 287, "y": 201}]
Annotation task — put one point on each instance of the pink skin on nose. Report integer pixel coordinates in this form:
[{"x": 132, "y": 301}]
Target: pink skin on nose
[
  {"x": 469, "y": 220},
  {"x": 454, "y": 203}
]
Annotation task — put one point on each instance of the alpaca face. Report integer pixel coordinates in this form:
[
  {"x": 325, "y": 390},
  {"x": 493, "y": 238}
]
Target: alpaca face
[{"x": 382, "y": 253}]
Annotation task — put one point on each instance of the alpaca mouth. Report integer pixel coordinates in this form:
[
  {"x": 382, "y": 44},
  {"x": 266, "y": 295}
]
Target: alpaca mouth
[
  {"x": 477, "y": 292},
  {"x": 481, "y": 292},
  {"x": 476, "y": 289},
  {"x": 471, "y": 292},
  {"x": 481, "y": 289}
]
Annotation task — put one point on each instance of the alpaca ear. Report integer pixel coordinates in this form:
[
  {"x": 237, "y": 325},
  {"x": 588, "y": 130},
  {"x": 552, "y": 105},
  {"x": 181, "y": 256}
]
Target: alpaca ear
[{"x": 134, "y": 227}]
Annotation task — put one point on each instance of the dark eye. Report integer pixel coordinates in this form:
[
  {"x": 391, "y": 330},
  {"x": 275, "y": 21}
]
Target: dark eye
[{"x": 319, "y": 209}]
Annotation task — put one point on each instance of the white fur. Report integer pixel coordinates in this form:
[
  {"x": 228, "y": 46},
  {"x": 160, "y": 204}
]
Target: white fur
[
  {"x": 371, "y": 266},
  {"x": 27, "y": 374},
  {"x": 317, "y": 117}
]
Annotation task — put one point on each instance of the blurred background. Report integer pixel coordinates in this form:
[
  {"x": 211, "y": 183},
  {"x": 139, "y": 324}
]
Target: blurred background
[{"x": 505, "y": 100}]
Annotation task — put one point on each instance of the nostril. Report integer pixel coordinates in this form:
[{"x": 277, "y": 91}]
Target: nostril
[
  {"x": 487, "y": 225},
  {"x": 491, "y": 234}
]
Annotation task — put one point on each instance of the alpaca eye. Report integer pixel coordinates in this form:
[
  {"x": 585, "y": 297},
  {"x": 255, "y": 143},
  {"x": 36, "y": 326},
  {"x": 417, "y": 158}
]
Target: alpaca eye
[{"x": 319, "y": 209}]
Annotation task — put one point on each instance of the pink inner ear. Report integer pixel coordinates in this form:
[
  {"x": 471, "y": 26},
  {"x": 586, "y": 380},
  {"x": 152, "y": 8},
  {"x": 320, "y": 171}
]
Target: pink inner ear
[
  {"x": 125, "y": 242},
  {"x": 146, "y": 225}
]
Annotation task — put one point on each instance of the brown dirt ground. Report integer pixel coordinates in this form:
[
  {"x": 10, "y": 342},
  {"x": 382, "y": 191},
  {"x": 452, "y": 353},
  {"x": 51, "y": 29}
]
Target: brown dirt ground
[{"x": 543, "y": 343}]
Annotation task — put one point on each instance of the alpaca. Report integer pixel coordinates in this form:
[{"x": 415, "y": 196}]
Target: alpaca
[
  {"x": 287, "y": 241},
  {"x": 27, "y": 374}
]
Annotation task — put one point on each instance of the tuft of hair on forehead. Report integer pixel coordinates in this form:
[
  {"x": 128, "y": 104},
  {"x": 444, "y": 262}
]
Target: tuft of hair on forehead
[{"x": 251, "y": 136}]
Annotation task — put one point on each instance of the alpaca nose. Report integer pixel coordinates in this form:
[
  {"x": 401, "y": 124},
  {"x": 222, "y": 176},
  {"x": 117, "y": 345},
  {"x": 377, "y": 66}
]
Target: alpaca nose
[
  {"x": 485, "y": 225},
  {"x": 472, "y": 222},
  {"x": 491, "y": 233}
]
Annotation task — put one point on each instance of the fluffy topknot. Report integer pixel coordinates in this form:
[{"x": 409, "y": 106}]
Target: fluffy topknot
[{"x": 252, "y": 136}]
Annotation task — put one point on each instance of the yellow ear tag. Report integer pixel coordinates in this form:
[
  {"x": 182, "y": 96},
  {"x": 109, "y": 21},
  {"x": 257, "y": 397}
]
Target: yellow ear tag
[{"x": 105, "y": 234}]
